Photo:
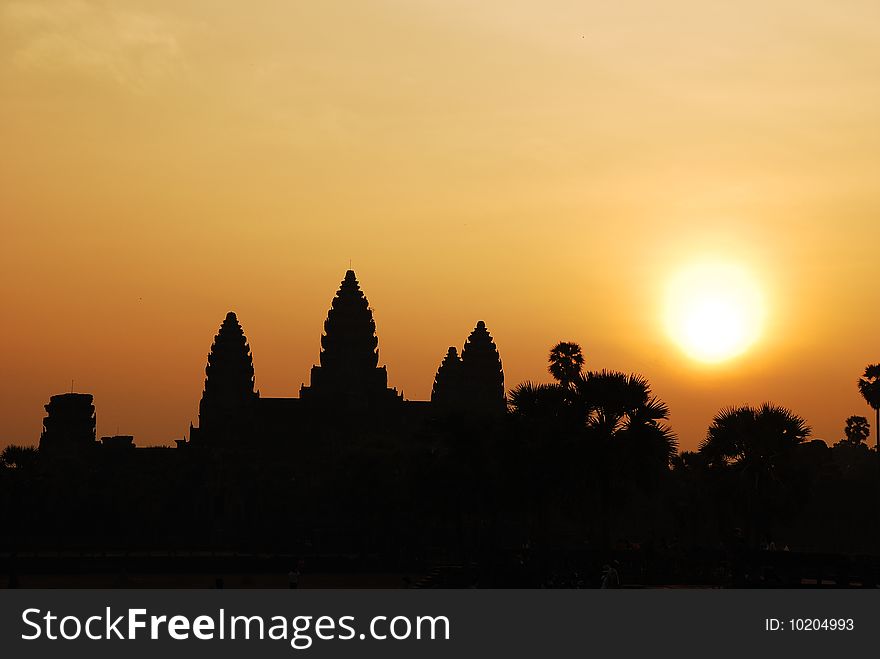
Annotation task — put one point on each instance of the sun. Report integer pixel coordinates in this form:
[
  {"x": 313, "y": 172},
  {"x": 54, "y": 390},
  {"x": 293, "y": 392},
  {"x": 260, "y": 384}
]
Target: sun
[{"x": 714, "y": 311}]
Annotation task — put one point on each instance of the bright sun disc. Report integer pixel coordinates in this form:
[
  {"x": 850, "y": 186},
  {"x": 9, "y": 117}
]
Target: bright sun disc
[{"x": 714, "y": 311}]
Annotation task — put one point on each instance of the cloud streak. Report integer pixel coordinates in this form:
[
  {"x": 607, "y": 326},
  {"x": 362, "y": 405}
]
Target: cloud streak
[{"x": 91, "y": 40}]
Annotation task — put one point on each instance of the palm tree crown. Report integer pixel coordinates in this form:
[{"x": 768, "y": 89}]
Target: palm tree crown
[
  {"x": 566, "y": 361},
  {"x": 749, "y": 436},
  {"x": 620, "y": 406},
  {"x": 869, "y": 387}
]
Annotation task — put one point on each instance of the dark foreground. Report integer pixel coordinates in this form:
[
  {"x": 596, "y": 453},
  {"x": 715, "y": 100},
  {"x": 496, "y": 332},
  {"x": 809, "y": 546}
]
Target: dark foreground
[{"x": 636, "y": 569}]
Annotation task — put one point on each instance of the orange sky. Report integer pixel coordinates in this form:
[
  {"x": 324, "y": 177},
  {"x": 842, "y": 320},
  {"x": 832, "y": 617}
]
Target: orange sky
[{"x": 544, "y": 166}]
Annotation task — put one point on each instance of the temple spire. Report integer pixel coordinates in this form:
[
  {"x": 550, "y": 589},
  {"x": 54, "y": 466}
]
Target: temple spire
[
  {"x": 482, "y": 374},
  {"x": 471, "y": 385},
  {"x": 349, "y": 342},
  {"x": 349, "y": 373},
  {"x": 226, "y": 408},
  {"x": 446, "y": 393}
]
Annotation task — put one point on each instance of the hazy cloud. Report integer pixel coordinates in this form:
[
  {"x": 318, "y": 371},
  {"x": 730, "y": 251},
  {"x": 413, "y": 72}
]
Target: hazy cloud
[{"x": 91, "y": 39}]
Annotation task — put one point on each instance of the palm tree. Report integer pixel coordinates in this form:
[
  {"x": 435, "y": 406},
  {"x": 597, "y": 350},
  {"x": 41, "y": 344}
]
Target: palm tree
[
  {"x": 547, "y": 467},
  {"x": 18, "y": 457},
  {"x": 618, "y": 400},
  {"x": 869, "y": 387},
  {"x": 753, "y": 436},
  {"x": 566, "y": 361},
  {"x": 607, "y": 421},
  {"x": 627, "y": 425},
  {"x": 537, "y": 401},
  {"x": 757, "y": 443},
  {"x": 623, "y": 414}
]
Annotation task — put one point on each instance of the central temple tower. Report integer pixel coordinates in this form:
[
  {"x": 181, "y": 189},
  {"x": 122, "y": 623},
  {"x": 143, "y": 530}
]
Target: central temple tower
[{"x": 349, "y": 376}]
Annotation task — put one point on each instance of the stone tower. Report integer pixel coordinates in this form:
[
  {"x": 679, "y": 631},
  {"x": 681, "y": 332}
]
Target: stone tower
[
  {"x": 446, "y": 394},
  {"x": 349, "y": 376},
  {"x": 226, "y": 411},
  {"x": 482, "y": 375},
  {"x": 69, "y": 425}
]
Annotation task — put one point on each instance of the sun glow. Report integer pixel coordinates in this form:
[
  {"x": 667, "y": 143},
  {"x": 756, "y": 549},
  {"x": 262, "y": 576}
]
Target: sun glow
[{"x": 714, "y": 311}]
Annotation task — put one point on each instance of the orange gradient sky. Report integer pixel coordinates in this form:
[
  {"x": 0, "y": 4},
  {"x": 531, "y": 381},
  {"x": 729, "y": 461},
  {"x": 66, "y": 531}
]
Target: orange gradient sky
[{"x": 545, "y": 166}]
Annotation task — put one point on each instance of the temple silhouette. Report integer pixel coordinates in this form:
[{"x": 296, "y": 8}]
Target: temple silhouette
[
  {"x": 348, "y": 390},
  {"x": 348, "y": 467}
]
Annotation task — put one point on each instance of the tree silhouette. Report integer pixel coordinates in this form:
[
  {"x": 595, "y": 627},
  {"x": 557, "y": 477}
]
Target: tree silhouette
[
  {"x": 869, "y": 387},
  {"x": 857, "y": 430},
  {"x": 757, "y": 444},
  {"x": 626, "y": 428},
  {"x": 608, "y": 435},
  {"x": 624, "y": 416},
  {"x": 537, "y": 401},
  {"x": 609, "y": 405},
  {"x": 617, "y": 401},
  {"x": 566, "y": 361},
  {"x": 18, "y": 457},
  {"x": 753, "y": 437}
]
